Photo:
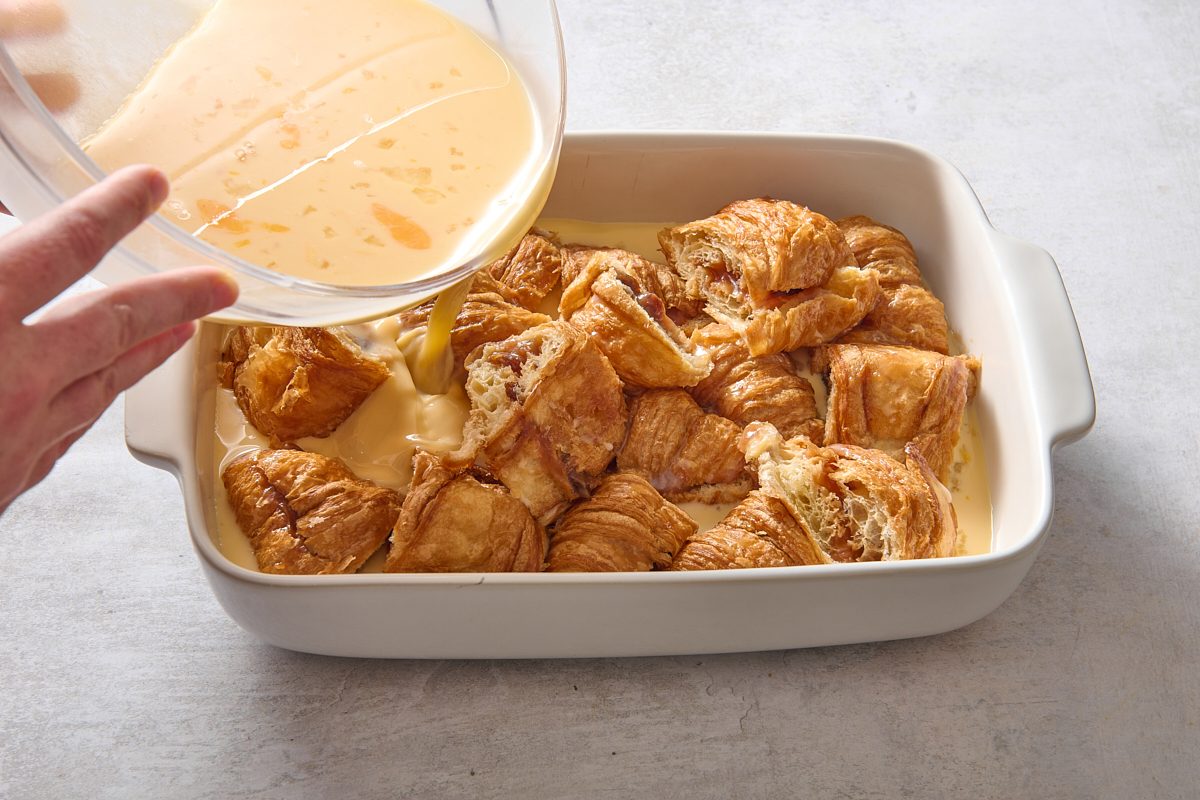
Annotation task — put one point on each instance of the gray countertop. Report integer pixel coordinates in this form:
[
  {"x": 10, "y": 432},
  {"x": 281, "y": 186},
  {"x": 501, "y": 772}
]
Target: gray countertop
[{"x": 1079, "y": 126}]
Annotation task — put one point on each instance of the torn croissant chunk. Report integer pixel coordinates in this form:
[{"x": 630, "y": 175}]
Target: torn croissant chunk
[
  {"x": 462, "y": 521},
  {"x": 298, "y": 382},
  {"x": 758, "y": 532},
  {"x": 527, "y": 273},
  {"x": 859, "y": 504},
  {"x": 908, "y": 313},
  {"x": 547, "y": 415},
  {"x": 625, "y": 526},
  {"x": 306, "y": 514},
  {"x": 746, "y": 388},
  {"x": 614, "y": 299},
  {"x": 686, "y": 454},
  {"x": 484, "y": 317},
  {"x": 885, "y": 397}
]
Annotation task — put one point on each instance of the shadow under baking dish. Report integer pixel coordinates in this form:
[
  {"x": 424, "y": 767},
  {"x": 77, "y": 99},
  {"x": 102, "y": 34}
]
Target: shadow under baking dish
[{"x": 1004, "y": 297}]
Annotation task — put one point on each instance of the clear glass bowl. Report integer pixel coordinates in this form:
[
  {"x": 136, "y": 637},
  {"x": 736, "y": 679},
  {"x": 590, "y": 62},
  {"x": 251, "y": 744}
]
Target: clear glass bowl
[{"x": 103, "y": 54}]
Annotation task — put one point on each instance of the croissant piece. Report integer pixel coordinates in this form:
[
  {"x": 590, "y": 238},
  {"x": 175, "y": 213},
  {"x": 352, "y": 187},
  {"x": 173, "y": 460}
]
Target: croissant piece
[
  {"x": 860, "y": 504},
  {"x": 684, "y": 453},
  {"x": 484, "y": 317},
  {"x": 655, "y": 278},
  {"x": 547, "y": 415},
  {"x": 613, "y": 300},
  {"x": 801, "y": 319},
  {"x": 906, "y": 315},
  {"x": 759, "y": 247},
  {"x": 885, "y": 397},
  {"x": 462, "y": 521},
  {"x": 527, "y": 273},
  {"x": 746, "y": 388},
  {"x": 297, "y": 382},
  {"x": 625, "y": 526},
  {"x": 882, "y": 248},
  {"x": 758, "y": 532},
  {"x": 909, "y": 314},
  {"x": 306, "y": 514}
]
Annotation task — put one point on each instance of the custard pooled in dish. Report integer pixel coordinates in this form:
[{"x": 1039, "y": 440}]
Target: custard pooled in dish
[
  {"x": 776, "y": 274},
  {"x": 625, "y": 526},
  {"x": 686, "y": 454},
  {"x": 298, "y": 382},
  {"x": 615, "y": 299},
  {"x": 908, "y": 313},
  {"x": 858, "y": 504},
  {"x": 462, "y": 521},
  {"x": 306, "y": 514},
  {"x": 758, "y": 532},
  {"x": 887, "y": 397},
  {"x": 547, "y": 415}
]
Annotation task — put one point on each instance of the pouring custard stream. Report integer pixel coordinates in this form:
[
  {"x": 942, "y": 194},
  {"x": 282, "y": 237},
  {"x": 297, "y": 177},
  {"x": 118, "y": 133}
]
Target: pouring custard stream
[{"x": 357, "y": 143}]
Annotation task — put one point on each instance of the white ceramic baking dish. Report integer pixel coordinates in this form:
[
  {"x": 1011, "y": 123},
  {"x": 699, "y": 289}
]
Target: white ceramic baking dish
[{"x": 1003, "y": 296}]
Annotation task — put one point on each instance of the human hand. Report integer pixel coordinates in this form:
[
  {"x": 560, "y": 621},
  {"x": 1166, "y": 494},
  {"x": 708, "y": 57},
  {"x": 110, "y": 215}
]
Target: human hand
[{"x": 64, "y": 369}]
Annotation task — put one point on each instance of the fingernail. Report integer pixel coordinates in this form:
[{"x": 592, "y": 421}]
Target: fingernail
[{"x": 225, "y": 290}]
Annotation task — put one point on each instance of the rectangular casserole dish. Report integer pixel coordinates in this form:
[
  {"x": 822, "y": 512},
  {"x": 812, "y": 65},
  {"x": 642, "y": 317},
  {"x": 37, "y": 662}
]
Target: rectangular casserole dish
[{"x": 1004, "y": 297}]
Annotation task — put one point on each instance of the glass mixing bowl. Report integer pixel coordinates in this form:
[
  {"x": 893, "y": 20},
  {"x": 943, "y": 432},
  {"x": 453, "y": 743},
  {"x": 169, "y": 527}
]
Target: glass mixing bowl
[{"x": 82, "y": 70}]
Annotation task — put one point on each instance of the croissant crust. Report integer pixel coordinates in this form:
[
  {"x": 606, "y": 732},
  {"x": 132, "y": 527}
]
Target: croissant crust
[
  {"x": 527, "y": 273},
  {"x": 547, "y": 415},
  {"x": 884, "y": 397},
  {"x": 625, "y": 526},
  {"x": 764, "y": 245},
  {"x": 306, "y": 514},
  {"x": 758, "y": 532},
  {"x": 613, "y": 299},
  {"x": 484, "y": 317},
  {"x": 459, "y": 521},
  {"x": 686, "y": 454},
  {"x": 298, "y": 382},
  {"x": 746, "y": 388},
  {"x": 860, "y": 504}
]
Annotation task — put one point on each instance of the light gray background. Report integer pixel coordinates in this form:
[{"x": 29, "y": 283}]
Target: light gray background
[{"x": 1079, "y": 126}]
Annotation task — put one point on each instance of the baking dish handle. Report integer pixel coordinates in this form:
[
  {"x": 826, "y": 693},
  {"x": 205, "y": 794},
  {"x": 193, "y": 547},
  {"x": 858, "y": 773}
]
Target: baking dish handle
[
  {"x": 1062, "y": 390},
  {"x": 154, "y": 426}
]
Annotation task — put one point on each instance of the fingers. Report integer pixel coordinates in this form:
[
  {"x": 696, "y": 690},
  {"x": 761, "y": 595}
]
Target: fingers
[
  {"x": 91, "y": 331},
  {"x": 81, "y": 403},
  {"x": 58, "y": 91},
  {"x": 39, "y": 260},
  {"x": 31, "y": 18}
]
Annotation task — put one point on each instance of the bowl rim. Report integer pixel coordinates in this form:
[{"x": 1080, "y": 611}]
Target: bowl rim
[{"x": 186, "y": 472}]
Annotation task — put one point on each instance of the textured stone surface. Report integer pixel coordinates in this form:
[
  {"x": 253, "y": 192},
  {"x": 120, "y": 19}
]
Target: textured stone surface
[{"x": 1079, "y": 126}]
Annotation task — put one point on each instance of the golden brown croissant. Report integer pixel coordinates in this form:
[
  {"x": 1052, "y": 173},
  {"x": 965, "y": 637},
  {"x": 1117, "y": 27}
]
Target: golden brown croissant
[
  {"x": 800, "y": 319},
  {"x": 297, "y": 382},
  {"x": 684, "y": 453},
  {"x": 758, "y": 532},
  {"x": 746, "y": 388},
  {"x": 884, "y": 396},
  {"x": 484, "y": 317},
  {"x": 657, "y": 279},
  {"x": 859, "y": 504},
  {"x": 527, "y": 273},
  {"x": 462, "y": 521},
  {"x": 908, "y": 314},
  {"x": 625, "y": 526},
  {"x": 613, "y": 300},
  {"x": 306, "y": 514},
  {"x": 547, "y": 415},
  {"x": 761, "y": 246}
]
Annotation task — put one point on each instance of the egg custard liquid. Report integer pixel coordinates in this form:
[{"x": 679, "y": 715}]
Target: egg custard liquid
[{"x": 357, "y": 142}]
